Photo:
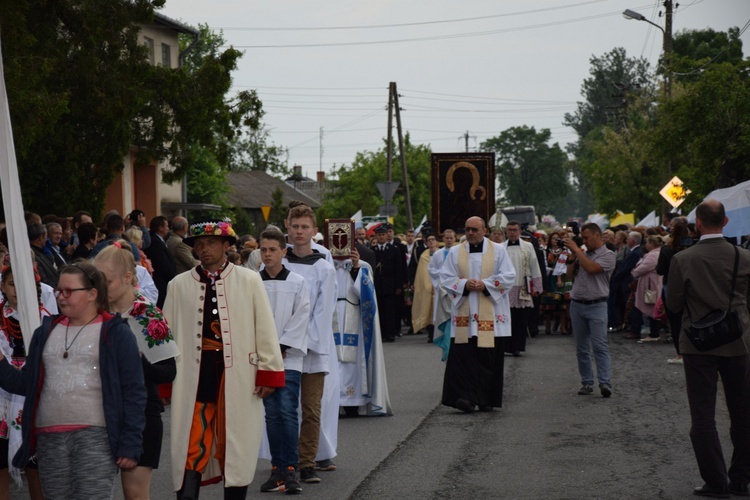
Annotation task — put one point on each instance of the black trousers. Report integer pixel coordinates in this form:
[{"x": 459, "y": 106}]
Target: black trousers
[
  {"x": 390, "y": 321},
  {"x": 519, "y": 327},
  {"x": 701, "y": 377},
  {"x": 474, "y": 373}
]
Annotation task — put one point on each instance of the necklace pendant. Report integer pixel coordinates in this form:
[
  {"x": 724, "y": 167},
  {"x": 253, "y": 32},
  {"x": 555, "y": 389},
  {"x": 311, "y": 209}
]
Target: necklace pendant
[{"x": 65, "y": 355}]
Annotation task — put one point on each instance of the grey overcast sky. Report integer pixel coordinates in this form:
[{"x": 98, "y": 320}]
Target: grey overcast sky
[{"x": 476, "y": 66}]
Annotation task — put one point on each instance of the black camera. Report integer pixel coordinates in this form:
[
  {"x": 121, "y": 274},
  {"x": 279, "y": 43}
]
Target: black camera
[{"x": 576, "y": 233}]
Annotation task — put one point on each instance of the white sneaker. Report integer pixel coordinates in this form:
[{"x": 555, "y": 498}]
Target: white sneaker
[
  {"x": 675, "y": 361},
  {"x": 649, "y": 339}
]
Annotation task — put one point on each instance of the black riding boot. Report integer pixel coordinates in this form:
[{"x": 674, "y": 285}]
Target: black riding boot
[
  {"x": 235, "y": 493},
  {"x": 191, "y": 486}
]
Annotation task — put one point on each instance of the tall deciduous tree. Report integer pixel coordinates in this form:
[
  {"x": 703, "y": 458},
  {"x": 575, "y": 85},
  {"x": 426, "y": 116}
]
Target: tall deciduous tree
[
  {"x": 255, "y": 151},
  {"x": 353, "y": 187},
  {"x": 530, "y": 170},
  {"x": 616, "y": 81},
  {"x": 696, "y": 49},
  {"x": 279, "y": 209},
  {"x": 705, "y": 129},
  {"x": 607, "y": 91},
  {"x": 82, "y": 93}
]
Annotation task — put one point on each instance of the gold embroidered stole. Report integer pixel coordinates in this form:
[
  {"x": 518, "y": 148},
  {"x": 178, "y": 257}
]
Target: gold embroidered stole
[{"x": 486, "y": 315}]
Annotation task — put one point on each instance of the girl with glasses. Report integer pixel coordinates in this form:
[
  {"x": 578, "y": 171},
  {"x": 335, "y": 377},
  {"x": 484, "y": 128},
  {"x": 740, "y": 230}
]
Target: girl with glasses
[{"x": 85, "y": 397}]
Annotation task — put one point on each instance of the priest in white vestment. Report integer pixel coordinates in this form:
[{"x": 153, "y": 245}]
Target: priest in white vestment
[{"x": 477, "y": 275}]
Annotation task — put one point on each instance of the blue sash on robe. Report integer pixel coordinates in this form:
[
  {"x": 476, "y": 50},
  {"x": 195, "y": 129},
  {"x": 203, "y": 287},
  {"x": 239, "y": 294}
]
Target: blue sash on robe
[{"x": 368, "y": 309}]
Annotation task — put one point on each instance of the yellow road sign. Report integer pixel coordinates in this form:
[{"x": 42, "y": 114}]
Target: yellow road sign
[
  {"x": 674, "y": 192},
  {"x": 266, "y": 210}
]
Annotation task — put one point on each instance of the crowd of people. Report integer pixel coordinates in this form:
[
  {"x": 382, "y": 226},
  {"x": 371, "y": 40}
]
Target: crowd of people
[
  {"x": 679, "y": 281},
  {"x": 260, "y": 345},
  {"x": 188, "y": 315}
]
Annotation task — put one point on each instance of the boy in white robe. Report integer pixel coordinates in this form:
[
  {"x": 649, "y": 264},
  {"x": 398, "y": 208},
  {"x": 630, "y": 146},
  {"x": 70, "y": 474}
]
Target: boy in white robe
[{"x": 318, "y": 429}]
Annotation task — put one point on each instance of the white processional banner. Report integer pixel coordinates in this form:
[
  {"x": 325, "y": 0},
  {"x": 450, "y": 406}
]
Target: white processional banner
[{"x": 18, "y": 239}]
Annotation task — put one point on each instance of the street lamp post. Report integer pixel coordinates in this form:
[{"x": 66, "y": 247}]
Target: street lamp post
[
  {"x": 667, "y": 48},
  {"x": 666, "y": 43}
]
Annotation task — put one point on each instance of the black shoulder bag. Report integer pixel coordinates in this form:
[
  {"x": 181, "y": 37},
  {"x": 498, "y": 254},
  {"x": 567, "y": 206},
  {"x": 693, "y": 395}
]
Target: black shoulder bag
[{"x": 719, "y": 327}]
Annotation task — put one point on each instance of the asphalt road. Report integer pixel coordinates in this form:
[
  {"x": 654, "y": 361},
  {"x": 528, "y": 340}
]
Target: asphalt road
[{"x": 546, "y": 441}]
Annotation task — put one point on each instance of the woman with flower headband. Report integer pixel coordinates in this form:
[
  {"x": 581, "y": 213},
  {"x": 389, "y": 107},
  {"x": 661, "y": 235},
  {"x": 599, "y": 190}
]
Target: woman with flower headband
[
  {"x": 158, "y": 353},
  {"x": 11, "y": 405},
  {"x": 84, "y": 394}
]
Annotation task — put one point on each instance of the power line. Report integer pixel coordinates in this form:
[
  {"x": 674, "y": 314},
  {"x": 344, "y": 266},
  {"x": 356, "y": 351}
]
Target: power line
[
  {"x": 487, "y": 98},
  {"x": 507, "y": 102},
  {"x": 308, "y": 101},
  {"x": 328, "y": 132},
  {"x": 313, "y": 95},
  {"x": 402, "y": 25},
  {"x": 311, "y": 88},
  {"x": 434, "y": 37},
  {"x": 533, "y": 110}
]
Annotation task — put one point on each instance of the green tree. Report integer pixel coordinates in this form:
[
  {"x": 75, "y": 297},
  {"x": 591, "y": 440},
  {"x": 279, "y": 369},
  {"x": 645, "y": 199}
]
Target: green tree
[
  {"x": 207, "y": 184},
  {"x": 705, "y": 129},
  {"x": 530, "y": 170},
  {"x": 614, "y": 76},
  {"x": 254, "y": 151},
  {"x": 695, "y": 49},
  {"x": 616, "y": 81},
  {"x": 279, "y": 209},
  {"x": 82, "y": 93},
  {"x": 353, "y": 187}
]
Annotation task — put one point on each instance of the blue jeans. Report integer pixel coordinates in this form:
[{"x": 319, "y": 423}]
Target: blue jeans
[
  {"x": 282, "y": 422},
  {"x": 590, "y": 332}
]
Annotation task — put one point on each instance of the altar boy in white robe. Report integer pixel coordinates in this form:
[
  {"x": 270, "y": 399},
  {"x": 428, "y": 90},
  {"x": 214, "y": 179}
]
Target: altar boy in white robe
[
  {"x": 318, "y": 438},
  {"x": 290, "y": 302},
  {"x": 359, "y": 347},
  {"x": 477, "y": 275}
]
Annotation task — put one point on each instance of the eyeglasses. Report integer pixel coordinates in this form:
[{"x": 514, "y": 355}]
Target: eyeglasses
[
  {"x": 472, "y": 229},
  {"x": 67, "y": 292}
]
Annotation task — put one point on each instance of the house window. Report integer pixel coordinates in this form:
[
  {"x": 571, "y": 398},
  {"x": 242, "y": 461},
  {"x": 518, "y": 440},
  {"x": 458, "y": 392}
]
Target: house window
[
  {"x": 150, "y": 46},
  {"x": 166, "y": 55}
]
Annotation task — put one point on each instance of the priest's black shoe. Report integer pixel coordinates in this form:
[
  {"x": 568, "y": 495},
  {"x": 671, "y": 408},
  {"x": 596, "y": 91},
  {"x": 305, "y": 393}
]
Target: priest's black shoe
[
  {"x": 465, "y": 405},
  {"x": 738, "y": 489},
  {"x": 485, "y": 408},
  {"x": 712, "y": 491}
]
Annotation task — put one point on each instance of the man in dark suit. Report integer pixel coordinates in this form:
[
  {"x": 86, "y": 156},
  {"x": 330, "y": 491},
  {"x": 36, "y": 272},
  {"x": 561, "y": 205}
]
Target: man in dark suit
[
  {"x": 161, "y": 260},
  {"x": 366, "y": 254},
  {"x": 700, "y": 282},
  {"x": 622, "y": 278},
  {"x": 44, "y": 263},
  {"x": 390, "y": 277}
]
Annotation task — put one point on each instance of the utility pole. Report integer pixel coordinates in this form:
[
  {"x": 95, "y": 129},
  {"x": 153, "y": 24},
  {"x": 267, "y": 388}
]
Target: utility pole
[
  {"x": 404, "y": 176},
  {"x": 668, "y": 12},
  {"x": 466, "y": 137},
  {"x": 666, "y": 208},
  {"x": 387, "y": 188},
  {"x": 389, "y": 146}
]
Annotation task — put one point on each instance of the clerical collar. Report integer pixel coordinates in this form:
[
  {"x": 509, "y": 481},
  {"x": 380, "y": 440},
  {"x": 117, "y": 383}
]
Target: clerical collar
[
  {"x": 281, "y": 276},
  {"x": 516, "y": 243},
  {"x": 476, "y": 248}
]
